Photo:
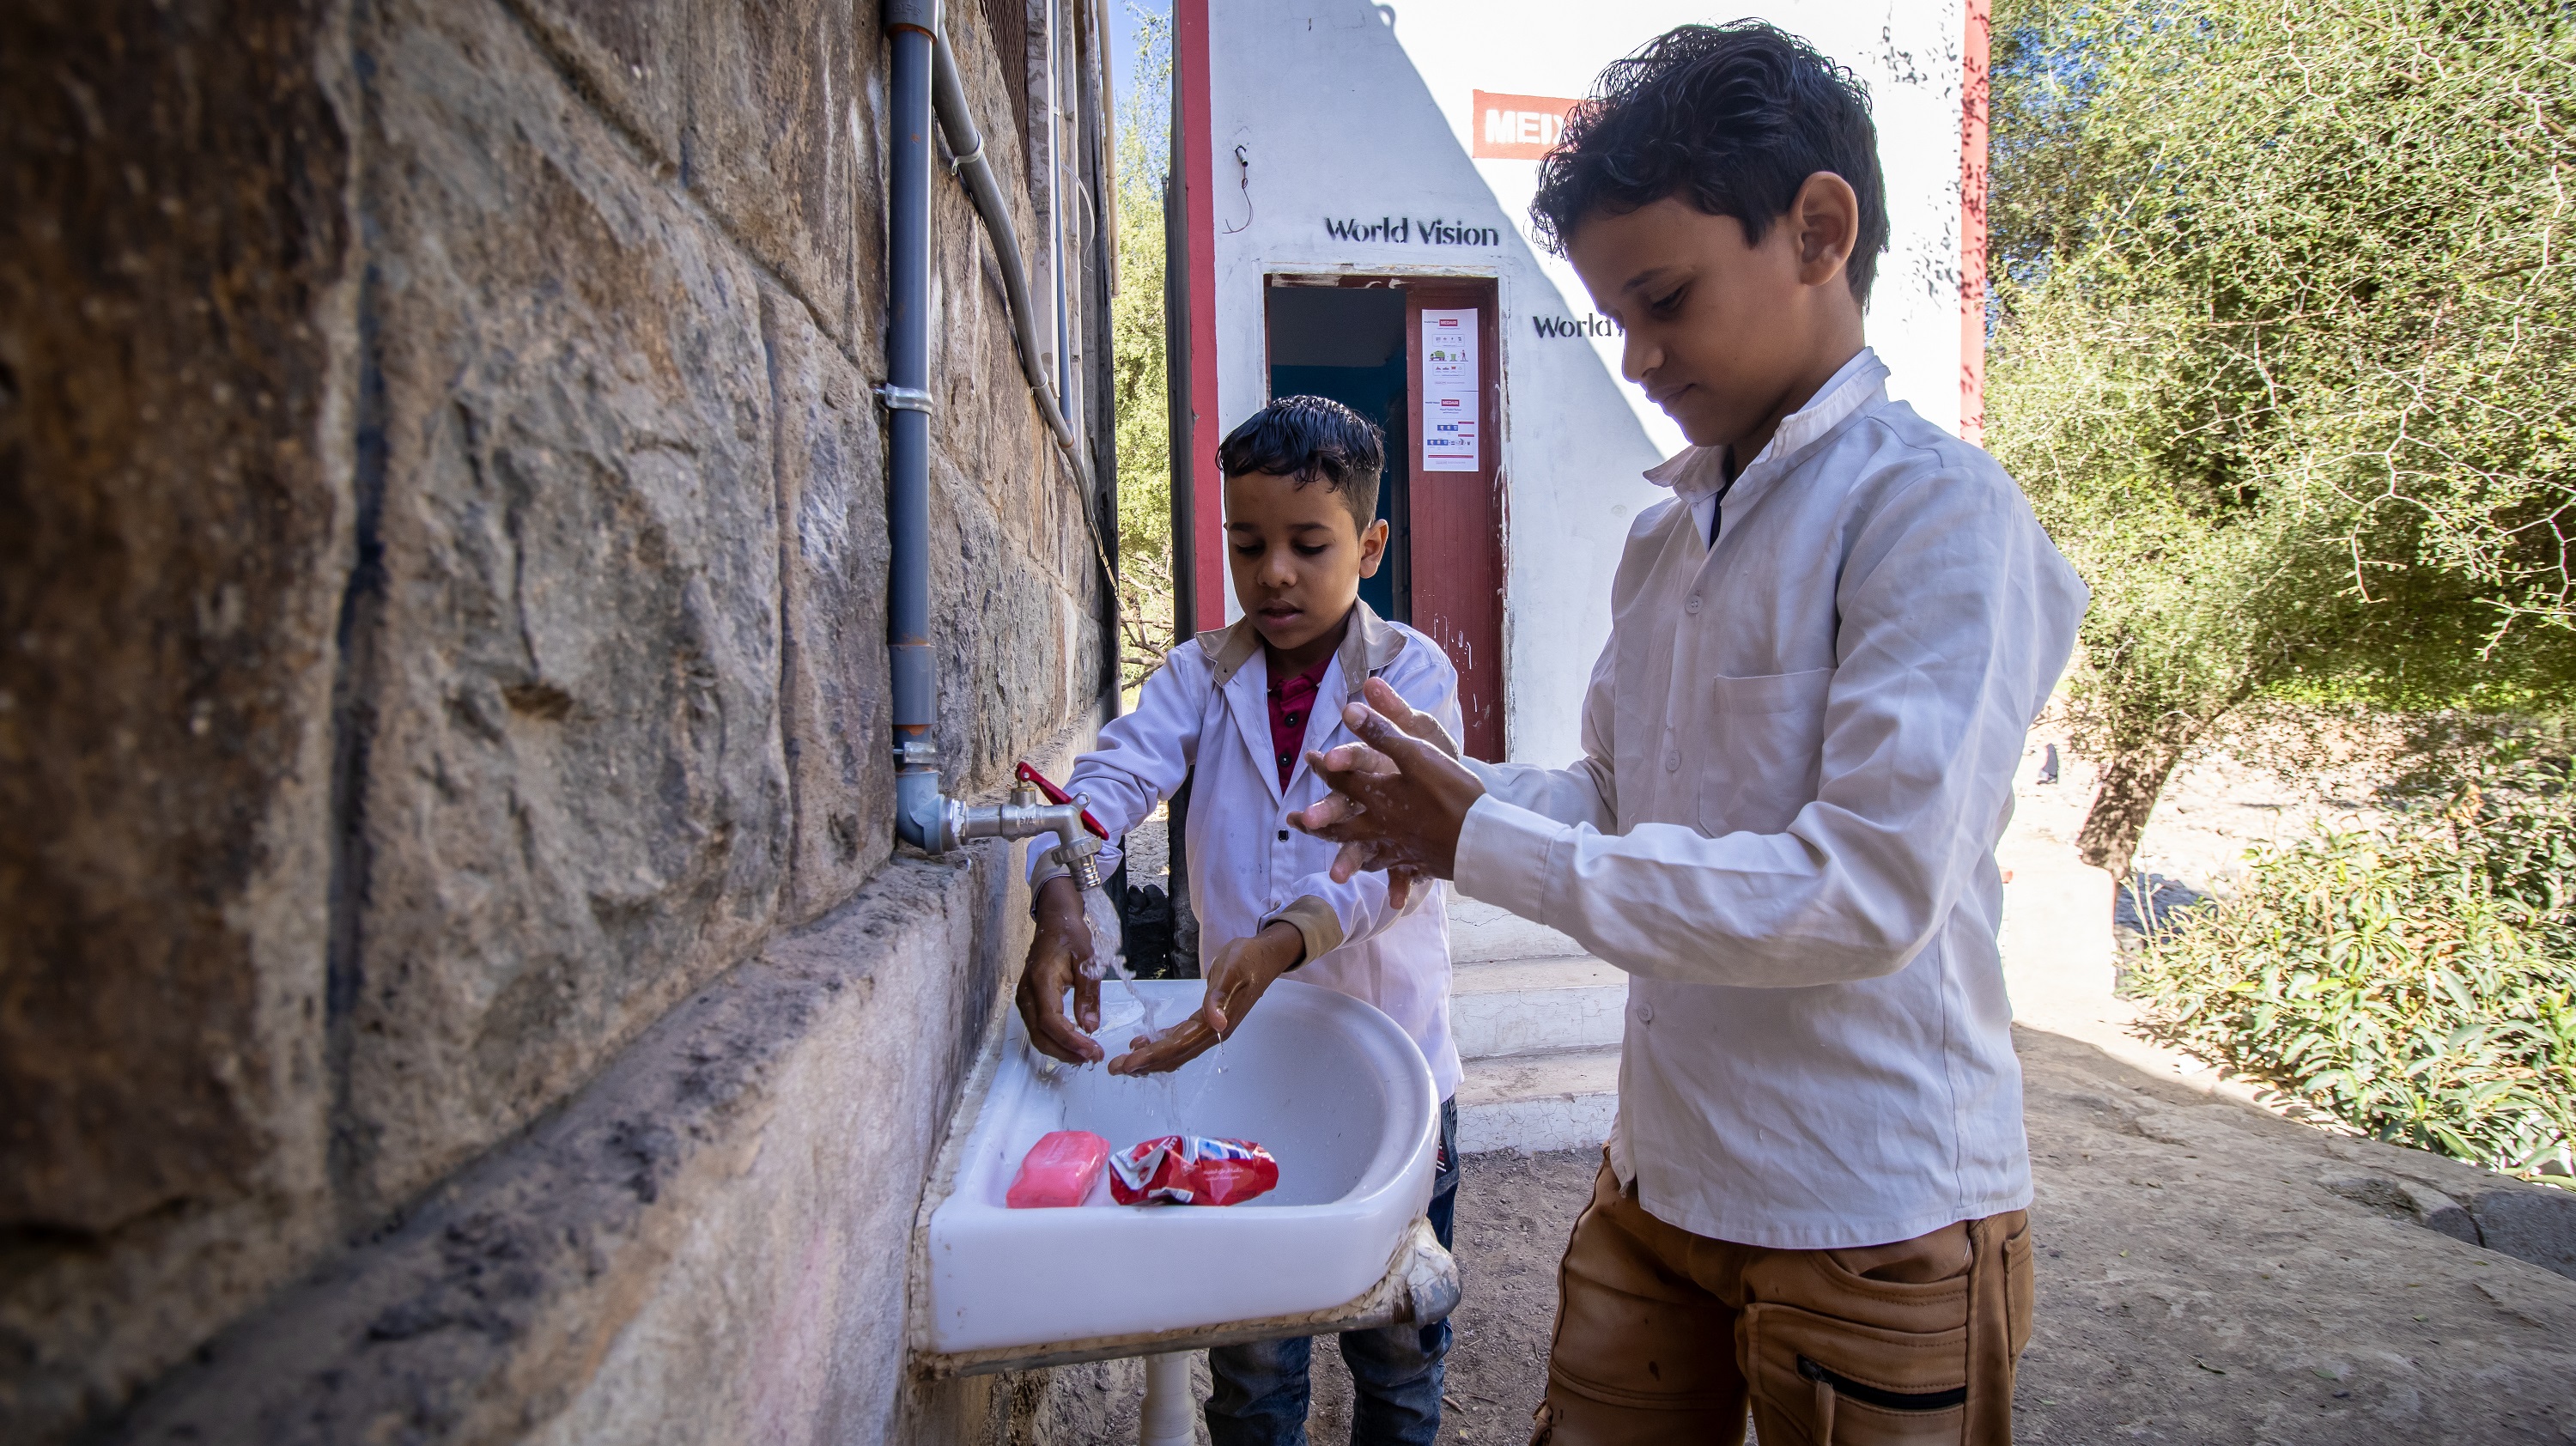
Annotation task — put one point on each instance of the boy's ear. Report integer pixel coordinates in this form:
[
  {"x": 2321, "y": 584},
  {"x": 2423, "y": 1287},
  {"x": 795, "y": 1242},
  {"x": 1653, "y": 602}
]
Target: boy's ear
[
  {"x": 1372, "y": 546},
  {"x": 1825, "y": 219}
]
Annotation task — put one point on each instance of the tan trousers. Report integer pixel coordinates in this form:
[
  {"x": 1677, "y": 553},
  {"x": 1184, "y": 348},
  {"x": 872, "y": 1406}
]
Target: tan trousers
[{"x": 1666, "y": 1336}]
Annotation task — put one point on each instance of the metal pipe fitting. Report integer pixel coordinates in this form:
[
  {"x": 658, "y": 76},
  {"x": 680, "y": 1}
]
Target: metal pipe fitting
[{"x": 946, "y": 824}]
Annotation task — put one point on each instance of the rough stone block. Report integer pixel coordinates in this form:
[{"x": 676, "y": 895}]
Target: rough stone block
[
  {"x": 831, "y": 505},
  {"x": 707, "y": 1244},
  {"x": 776, "y": 110},
  {"x": 769, "y": 113},
  {"x": 632, "y": 55},
  {"x": 1014, "y": 586},
  {"x": 570, "y": 781},
  {"x": 176, "y": 331}
]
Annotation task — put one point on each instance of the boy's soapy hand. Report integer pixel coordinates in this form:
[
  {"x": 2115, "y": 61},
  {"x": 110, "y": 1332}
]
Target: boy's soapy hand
[
  {"x": 1056, "y": 957},
  {"x": 1390, "y": 705},
  {"x": 1242, "y": 972},
  {"x": 1398, "y": 803},
  {"x": 1381, "y": 696}
]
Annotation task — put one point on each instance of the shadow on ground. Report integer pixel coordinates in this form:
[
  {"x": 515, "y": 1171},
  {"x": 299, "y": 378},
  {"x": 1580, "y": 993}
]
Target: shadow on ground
[{"x": 2148, "y": 902}]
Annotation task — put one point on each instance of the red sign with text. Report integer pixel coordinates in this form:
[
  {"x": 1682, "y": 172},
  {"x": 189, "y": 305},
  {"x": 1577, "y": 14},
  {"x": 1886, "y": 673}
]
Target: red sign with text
[{"x": 1517, "y": 127}]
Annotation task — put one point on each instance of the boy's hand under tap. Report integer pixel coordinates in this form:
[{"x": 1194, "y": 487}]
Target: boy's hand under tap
[
  {"x": 1399, "y": 797},
  {"x": 1242, "y": 972},
  {"x": 1056, "y": 957}
]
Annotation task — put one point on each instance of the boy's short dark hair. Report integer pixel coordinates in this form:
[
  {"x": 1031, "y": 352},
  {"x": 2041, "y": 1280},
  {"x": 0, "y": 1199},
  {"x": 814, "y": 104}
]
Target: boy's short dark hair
[
  {"x": 1731, "y": 118},
  {"x": 1311, "y": 439}
]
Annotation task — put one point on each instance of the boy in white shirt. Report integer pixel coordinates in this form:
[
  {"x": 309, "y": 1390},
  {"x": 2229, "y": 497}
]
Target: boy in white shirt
[
  {"x": 1243, "y": 706},
  {"x": 1799, "y": 746}
]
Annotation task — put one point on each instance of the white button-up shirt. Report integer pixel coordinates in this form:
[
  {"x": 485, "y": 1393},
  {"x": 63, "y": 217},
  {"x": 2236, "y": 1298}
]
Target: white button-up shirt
[
  {"x": 1208, "y": 707},
  {"x": 1798, "y": 756}
]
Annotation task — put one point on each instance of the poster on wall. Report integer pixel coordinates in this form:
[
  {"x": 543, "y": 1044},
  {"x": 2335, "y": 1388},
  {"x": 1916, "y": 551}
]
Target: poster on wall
[{"x": 1449, "y": 399}]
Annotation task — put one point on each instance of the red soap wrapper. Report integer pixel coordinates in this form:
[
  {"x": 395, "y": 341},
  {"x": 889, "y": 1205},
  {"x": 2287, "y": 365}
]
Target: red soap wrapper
[
  {"x": 1191, "y": 1170},
  {"x": 1058, "y": 1171}
]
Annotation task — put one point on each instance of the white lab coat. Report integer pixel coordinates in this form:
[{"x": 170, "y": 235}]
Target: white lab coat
[
  {"x": 1208, "y": 707},
  {"x": 1798, "y": 752}
]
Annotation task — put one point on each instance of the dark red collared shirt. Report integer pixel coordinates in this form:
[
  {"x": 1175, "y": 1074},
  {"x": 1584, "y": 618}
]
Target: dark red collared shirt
[{"x": 1291, "y": 700}]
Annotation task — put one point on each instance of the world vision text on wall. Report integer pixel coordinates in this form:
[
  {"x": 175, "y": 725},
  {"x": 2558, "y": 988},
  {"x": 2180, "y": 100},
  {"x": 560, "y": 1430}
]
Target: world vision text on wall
[
  {"x": 1517, "y": 127},
  {"x": 1405, "y": 230}
]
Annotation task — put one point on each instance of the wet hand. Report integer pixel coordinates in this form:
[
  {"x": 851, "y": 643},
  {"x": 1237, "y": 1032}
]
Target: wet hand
[
  {"x": 1056, "y": 959},
  {"x": 1390, "y": 705},
  {"x": 1400, "y": 797},
  {"x": 1240, "y": 974}
]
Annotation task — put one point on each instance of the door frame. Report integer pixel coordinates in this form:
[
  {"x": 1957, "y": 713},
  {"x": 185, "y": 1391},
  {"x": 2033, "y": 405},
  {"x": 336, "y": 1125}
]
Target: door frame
[
  {"x": 1399, "y": 542},
  {"x": 1463, "y": 519},
  {"x": 1459, "y": 518}
]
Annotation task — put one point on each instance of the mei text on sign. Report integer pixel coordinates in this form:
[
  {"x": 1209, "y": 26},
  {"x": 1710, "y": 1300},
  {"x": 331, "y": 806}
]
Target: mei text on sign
[{"x": 1517, "y": 127}]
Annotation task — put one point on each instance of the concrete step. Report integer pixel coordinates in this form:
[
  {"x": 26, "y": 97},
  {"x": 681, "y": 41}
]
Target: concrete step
[
  {"x": 1481, "y": 933},
  {"x": 1536, "y": 1006},
  {"x": 1562, "y": 1101}
]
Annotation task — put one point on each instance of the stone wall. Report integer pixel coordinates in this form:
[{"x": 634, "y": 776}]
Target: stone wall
[{"x": 453, "y": 975}]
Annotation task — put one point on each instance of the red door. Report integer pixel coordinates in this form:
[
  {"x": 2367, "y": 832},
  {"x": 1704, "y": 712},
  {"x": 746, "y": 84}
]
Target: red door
[{"x": 1452, "y": 368}]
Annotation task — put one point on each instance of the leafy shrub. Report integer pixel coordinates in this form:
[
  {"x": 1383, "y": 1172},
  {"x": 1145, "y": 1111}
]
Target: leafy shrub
[{"x": 2416, "y": 981}]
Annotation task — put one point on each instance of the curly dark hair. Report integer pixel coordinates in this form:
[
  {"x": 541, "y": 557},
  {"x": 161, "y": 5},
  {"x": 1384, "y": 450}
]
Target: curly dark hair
[
  {"x": 1733, "y": 118},
  {"x": 1311, "y": 439}
]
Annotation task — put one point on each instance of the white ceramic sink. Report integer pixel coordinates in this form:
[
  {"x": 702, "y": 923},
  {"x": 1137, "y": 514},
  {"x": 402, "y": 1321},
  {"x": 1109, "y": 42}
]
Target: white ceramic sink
[{"x": 1326, "y": 1083}]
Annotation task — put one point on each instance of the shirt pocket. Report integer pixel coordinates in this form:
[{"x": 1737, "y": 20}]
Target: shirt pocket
[{"x": 1764, "y": 752}]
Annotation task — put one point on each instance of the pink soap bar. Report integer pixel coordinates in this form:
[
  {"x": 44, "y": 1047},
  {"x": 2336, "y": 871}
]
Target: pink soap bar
[{"x": 1059, "y": 1171}]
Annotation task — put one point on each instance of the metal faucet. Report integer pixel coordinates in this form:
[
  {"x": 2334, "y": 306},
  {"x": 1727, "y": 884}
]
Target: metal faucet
[{"x": 1025, "y": 814}]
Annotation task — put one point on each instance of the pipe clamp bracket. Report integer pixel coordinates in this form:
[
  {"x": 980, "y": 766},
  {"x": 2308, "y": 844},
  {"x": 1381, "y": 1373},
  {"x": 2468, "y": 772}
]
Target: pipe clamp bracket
[
  {"x": 904, "y": 399},
  {"x": 921, "y": 15}
]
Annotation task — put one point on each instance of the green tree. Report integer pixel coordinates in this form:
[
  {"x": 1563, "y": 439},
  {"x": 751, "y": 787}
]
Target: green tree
[
  {"x": 2285, "y": 355},
  {"x": 1146, "y": 617}
]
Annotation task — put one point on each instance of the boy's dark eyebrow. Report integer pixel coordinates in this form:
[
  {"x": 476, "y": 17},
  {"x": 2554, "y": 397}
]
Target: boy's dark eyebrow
[
  {"x": 1293, "y": 527},
  {"x": 1642, "y": 278}
]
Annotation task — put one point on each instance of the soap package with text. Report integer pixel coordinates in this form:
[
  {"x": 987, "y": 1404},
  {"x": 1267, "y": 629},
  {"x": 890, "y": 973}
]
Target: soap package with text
[{"x": 1191, "y": 1170}]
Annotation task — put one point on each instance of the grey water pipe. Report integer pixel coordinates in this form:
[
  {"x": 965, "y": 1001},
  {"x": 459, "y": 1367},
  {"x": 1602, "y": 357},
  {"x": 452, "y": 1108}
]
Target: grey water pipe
[
  {"x": 921, "y": 811},
  {"x": 925, "y": 816},
  {"x": 1055, "y": 202}
]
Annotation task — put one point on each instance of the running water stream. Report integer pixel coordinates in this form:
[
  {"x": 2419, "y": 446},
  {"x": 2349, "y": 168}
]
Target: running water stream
[
  {"x": 1109, "y": 955},
  {"x": 1109, "y": 959}
]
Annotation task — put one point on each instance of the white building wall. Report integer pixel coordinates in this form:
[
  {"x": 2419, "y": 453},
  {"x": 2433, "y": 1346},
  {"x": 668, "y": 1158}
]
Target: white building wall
[{"x": 1340, "y": 110}]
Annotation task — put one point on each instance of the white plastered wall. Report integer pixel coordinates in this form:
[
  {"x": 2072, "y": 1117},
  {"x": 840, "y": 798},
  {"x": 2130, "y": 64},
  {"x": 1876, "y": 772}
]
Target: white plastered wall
[{"x": 1340, "y": 113}]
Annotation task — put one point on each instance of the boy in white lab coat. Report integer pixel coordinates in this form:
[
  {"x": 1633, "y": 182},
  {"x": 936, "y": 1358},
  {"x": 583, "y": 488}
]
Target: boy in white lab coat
[{"x": 1243, "y": 706}]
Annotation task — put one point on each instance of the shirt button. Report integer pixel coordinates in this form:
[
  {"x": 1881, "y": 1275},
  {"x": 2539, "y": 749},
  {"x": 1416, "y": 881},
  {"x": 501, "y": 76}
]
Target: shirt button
[
  {"x": 1672, "y": 763},
  {"x": 1645, "y": 1014},
  {"x": 1283, "y": 835},
  {"x": 1292, "y": 720},
  {"x": 1693, "y": 605}
]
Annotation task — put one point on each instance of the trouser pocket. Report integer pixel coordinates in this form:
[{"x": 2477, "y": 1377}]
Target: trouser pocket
[{"x": 1817, "y": 1380}]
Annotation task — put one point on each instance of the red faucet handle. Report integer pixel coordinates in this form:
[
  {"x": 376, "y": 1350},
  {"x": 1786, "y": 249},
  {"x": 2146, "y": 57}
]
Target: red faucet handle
[{"x": 1039, "y": 781}]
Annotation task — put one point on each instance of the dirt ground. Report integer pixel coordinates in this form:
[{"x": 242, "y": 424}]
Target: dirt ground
[{"x": 2198, "y": 1284}]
